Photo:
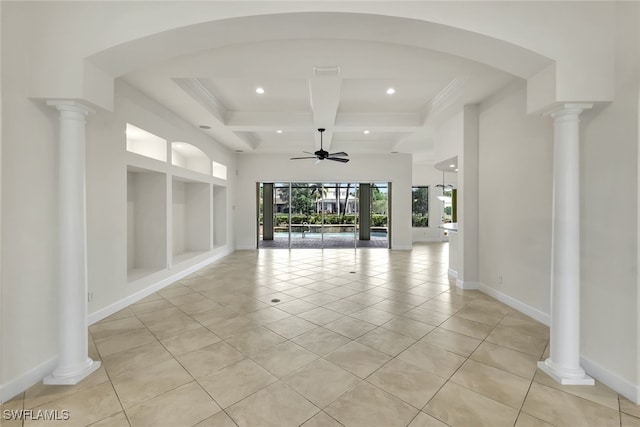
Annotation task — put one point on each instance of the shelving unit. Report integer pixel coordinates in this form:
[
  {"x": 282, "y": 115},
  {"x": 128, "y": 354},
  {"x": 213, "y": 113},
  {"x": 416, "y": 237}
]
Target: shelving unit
[
  {"x": 189, "y": 157},
  {"x": 146, "y": 144},
  {"x": 146, "y": 222},
  {"x": 191, "y": 204},
  {"x": 176, "y": 205},
  {"x": 219, "y": 216}
]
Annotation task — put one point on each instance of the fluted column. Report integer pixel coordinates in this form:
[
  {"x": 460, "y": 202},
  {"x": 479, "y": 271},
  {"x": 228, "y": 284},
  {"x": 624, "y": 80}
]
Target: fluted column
[
  {"x": 564, "y": 361},
  {"x": 73, "y": 362}
]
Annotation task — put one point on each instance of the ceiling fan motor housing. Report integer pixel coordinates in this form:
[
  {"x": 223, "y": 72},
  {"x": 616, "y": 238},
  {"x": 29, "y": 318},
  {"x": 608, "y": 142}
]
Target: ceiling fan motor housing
[{"x": 321, "y": 154}]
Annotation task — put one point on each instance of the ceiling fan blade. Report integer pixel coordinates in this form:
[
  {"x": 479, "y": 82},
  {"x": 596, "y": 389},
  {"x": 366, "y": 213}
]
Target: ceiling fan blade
[
  {"x": 338, "y": 159},
  {"x": 317, "y": 161},
  {"x": 299, "y": 158},
  {"x": 309, "y": 152},
  {"x": 341, "y": 153}
]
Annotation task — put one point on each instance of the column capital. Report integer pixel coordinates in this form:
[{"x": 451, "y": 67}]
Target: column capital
[
  {"x": 70, "y": 105},
  {"x": 568, "y": 109}
]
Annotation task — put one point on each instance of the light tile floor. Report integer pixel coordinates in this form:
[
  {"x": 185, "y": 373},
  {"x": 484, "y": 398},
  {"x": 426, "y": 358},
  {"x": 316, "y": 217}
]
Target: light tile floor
[{"x": 359, "y": 338}]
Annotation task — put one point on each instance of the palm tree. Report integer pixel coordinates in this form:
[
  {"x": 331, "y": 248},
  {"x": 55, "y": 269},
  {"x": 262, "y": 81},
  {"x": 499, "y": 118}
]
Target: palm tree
[
  {"x": 318, "y": 192},
  {"x": 346, "y": 200}
]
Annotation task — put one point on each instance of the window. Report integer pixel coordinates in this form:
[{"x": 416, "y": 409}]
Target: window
[
  {"x": 447, "y": 212},
  {"x": 420, "y": 206}
]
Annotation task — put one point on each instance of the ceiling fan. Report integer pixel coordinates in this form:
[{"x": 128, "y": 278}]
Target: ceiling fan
[{"x": 321, "y": 154}]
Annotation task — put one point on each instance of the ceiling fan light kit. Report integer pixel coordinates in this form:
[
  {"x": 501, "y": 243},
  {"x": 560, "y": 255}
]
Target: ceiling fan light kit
[{"x": 321, "y": 154}]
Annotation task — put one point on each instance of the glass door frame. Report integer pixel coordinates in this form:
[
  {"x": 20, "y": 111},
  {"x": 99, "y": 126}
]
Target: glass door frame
[{"x": 322, "y": 185}]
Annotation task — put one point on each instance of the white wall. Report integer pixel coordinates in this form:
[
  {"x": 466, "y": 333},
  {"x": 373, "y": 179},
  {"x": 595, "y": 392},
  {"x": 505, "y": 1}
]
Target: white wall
[
  {"x": 29, "y": 215},
  {"x": 515, "y": 199},
  {"x": 515, "y": 213},
  {"x": 468, "y": 200},
  {"x": 29, "y": 221},
  {"x": 106, "y": 186},
  {"x": 394, "y": 168},
  {"x": 609, "y": 193},
  {"x": 179, "y": 213},
  {"x": 555, "y": 30},
  {"x": 448, "y": 138},
  {"x": 191, "y": 221}
]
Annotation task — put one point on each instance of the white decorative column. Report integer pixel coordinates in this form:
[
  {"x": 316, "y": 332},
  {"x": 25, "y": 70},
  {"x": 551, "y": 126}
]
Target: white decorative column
[
  {"x": 564, "y": 363},
  {"x": 73, "y": 363}
]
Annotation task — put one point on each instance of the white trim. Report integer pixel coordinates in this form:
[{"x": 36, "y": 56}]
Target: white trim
[
  {"x": 614, "y": 381},
  {"x": 605, "y": 376},
  {"x": 533, "y": 312},
  {"x": 573, "y": 377},
  {"x": 466, "y": 285},
  {"x": 246, "y": 248},
  {"x": 28, "y": 379},
  {"x": 418, "y": 239},
  {"x": 35, "y": 375},
  {"x": 130, "y": 299},
  {"x": 401, "y": 247},
  {"x": 452, "y": 273}
]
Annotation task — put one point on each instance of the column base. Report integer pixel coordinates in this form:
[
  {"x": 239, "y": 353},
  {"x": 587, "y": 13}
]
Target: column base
[
  {"x": 74, "y": 377},
  {"x": 565, "y": 378}
]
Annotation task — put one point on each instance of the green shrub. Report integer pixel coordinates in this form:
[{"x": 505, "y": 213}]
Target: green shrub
[
  {"x": 378, "y": 220},
  {"x": 419, "y": 221}
]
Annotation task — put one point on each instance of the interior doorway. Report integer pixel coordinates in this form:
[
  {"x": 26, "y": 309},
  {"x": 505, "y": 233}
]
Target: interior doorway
[{"x": 321, "y": 215}]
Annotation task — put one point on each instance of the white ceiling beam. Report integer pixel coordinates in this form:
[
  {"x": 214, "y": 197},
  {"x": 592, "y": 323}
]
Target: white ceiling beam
[
  {"x": 269, "y": 121},
  {"x": 361, "y": 121},
  {"x": 304, "y": 122},
  {"x": 324, "y": 96}
]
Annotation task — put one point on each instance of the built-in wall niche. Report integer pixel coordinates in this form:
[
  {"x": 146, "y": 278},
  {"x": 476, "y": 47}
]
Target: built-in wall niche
[
  {"x": 146, "y": 144},
  {"x": 190, "y": 157},
  {"x": 219, "y": 216},
  {"x": 146, "y": 222},
  {"x": 218, "y": 170},
  {"x": 191, "y": 213}
]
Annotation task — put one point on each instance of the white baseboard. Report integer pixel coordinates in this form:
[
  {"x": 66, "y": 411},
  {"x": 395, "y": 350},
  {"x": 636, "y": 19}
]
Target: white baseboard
[
  {"x": 466, "y": 284},
  {"x": 16, "y": 386},
  {"x": 12, "y": 388},
  {"x": 130, "y": 299},
  {"x": 246, "y": 248},
  {"x": 614, "y": 381},
  {"x": 428, "y": 239},
  {"x": 532, "y": 312},
  {"x": 452, "y": 273}
]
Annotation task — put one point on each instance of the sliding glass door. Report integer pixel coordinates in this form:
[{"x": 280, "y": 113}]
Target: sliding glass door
[
  {"x": 306, "y": 220},
  {"x": 340, "y": 215},
  {"x": 322, "y": 215},
  {"x": 373, "y": 215}
]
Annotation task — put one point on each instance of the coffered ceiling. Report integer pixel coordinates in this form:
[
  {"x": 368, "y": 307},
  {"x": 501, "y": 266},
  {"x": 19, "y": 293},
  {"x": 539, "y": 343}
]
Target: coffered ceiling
[{"x": 337, "y": 84}]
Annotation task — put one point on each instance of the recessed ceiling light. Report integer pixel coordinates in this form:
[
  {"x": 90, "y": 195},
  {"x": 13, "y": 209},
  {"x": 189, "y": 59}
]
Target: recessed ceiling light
[
  {"x": 394, "y": 152},
  {"x": 391, "y": 91},
  {"x": 452, "y": 166},
  {"x": 204, "y": 127},
  {"x": 366, "y": 132},
  {"x": 456, "y": 169},
  {"x": 260, "y": 90},
  {"x": 239, "y": 151},
  {"x": 279, "y": 131}
]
